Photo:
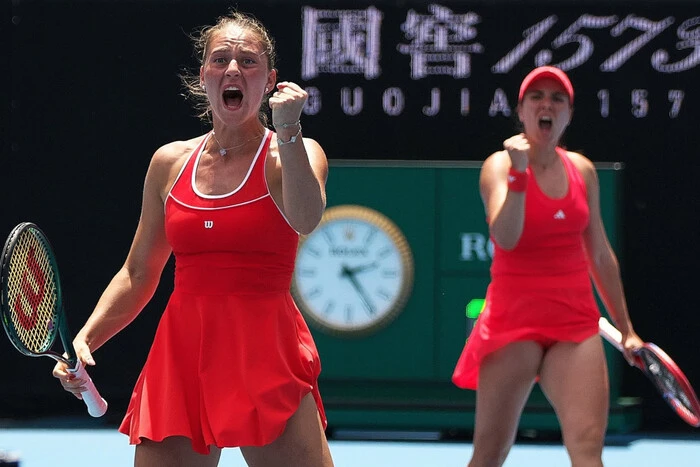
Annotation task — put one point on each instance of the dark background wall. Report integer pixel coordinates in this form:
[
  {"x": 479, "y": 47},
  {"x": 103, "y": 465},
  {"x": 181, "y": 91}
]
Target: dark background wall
[{"x": 91, "y": 91}]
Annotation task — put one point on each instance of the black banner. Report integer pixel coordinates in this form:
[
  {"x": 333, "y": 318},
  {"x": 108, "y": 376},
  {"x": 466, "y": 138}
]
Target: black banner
[{"x": 440, "y": 81}]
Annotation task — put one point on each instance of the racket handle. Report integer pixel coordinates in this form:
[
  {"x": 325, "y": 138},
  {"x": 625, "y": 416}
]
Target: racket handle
[
  {"x": 610, "y": 333},
  {"x": 96, "y": 405}
]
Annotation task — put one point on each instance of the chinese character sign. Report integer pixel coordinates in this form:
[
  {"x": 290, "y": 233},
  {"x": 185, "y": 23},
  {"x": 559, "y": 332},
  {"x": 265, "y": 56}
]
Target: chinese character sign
[{"x": 439, "y": 81}]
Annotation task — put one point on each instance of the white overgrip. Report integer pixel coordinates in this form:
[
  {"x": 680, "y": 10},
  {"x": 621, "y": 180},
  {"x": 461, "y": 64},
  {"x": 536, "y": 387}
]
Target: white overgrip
[
  {"x": 96, "y": 405},
  {"x": 610, "y": 333}
]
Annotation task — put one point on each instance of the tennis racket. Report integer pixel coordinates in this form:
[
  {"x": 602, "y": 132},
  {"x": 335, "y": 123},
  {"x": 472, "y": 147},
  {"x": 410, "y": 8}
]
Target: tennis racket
[
  {"x": 31, "y": 305},
  {"x": 663, "y": 372}
]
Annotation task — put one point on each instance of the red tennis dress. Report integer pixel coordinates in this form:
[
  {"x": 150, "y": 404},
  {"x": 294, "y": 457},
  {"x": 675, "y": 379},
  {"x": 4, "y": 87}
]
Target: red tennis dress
[
  {"x": 541, "y": 289},
  {"x": 232, "y": 356}
]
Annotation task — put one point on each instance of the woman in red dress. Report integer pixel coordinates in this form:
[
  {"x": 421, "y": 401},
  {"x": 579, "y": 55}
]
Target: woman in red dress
[
  {"x": 233, "y": 363},
  {"x": 540, "y": 320}
]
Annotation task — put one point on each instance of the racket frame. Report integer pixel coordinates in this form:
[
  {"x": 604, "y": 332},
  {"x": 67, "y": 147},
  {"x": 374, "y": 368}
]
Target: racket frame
[{"x": 692, "y": 417}]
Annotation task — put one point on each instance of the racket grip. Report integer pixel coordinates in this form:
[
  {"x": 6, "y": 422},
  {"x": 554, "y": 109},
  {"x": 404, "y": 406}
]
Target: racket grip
[
  {"x": 610, "y": 333},
  {"x": 96, "y": 405}
]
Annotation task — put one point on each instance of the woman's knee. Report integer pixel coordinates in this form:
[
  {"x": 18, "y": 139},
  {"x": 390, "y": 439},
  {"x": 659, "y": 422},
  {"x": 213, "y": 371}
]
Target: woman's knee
[
  {"x": 585, "y": 441},
  {"x": 490, "y": 453}
]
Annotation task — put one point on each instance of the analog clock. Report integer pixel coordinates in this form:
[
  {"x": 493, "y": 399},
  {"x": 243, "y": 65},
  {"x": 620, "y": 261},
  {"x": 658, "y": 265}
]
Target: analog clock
[{"x": 354, "y": 272}]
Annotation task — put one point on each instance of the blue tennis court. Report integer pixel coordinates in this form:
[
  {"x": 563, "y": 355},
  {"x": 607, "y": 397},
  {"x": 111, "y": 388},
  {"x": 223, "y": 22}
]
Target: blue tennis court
[{"x": 67, "y": 447}]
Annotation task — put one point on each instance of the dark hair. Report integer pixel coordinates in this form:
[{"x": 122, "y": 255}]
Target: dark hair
[{"x": 201, "y": 40}]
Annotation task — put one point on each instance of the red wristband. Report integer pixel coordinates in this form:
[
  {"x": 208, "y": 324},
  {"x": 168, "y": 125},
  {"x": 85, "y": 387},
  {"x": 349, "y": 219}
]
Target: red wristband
[{"x": 517, "y": 181}]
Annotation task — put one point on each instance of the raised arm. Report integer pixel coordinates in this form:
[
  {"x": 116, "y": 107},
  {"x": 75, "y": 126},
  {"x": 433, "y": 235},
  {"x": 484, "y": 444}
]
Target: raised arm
[
  {"x": 505, "y": 208},
  {"x": 303, "y": 162},
  {"x": 304, "y": 174}
]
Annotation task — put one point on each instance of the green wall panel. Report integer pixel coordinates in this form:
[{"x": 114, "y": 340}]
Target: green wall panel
[
  {"x": 402, "y": 350},
  {"x": 463, "y": 242}
]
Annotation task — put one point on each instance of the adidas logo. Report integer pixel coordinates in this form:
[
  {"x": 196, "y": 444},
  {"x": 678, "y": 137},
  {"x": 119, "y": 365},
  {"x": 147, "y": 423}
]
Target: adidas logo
[
  {"x": 511, "y": 178},
  {"x": 560, "y": 215}
]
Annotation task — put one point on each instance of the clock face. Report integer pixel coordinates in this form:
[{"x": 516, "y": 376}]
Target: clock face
[{"x": 354, "y": 272}]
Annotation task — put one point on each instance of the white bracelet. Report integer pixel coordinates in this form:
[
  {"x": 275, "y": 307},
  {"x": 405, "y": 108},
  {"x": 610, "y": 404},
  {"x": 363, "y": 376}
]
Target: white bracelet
[{"x": 293, "y": 139}]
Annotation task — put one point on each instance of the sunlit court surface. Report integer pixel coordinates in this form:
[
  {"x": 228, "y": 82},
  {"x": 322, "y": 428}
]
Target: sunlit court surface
[{"x": 59, "y": 446}]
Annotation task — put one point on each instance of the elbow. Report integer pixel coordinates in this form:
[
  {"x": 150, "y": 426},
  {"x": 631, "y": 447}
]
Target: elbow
[
  {"x": 306, "y": 220},
  {"x": 142, "y": 281},
  {"x": 604, "y": 263},
  {"x": 504, "y": 242},
  {"x": 506, "y": 234},
  {"x": 506, "y": 245},
  {"x": 305, "y": 229},
  {"x": 307, "y": 224}
]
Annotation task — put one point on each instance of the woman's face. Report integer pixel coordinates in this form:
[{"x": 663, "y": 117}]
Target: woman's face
[
  {"x": 235, "y": 73},
  {"x": 545, "y": 111}
]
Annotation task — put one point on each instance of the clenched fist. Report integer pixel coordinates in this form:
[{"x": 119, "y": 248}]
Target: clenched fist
[
  {"x": 517, "y": 147},
  {"x": 286, "y": 103}
]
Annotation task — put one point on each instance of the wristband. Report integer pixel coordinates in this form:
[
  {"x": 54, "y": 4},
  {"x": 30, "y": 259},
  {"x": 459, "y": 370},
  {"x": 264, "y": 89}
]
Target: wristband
[{"x": 517, "y": 181}]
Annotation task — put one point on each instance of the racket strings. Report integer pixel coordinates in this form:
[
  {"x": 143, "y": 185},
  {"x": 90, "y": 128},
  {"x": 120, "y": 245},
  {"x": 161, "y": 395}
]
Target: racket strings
[
  {"x": 32, "y": 293},
  {"x": 667, "y": 383}
]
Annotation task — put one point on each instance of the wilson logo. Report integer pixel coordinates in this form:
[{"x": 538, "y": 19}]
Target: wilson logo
[
  {"x": 208, "y": 224},
  {"x": 32, "y": 290}
]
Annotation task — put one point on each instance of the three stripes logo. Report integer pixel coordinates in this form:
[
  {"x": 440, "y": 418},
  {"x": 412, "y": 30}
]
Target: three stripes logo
[
  {"x": 559, "y": 215},
  {"x": 208, "y": 224}
]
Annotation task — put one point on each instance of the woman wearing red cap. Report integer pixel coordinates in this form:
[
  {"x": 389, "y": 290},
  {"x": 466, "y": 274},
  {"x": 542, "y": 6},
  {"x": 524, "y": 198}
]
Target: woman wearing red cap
[{"x": 540, "y": 322}]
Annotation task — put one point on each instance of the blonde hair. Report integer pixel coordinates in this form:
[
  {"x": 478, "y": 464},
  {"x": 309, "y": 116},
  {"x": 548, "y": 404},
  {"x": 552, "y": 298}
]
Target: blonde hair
[{"x": 201, "y": 40}]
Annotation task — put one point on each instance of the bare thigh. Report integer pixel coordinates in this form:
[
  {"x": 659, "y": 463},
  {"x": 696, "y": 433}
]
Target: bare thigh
[
  {"x": 506, "y": 378},
  {"x": 574, "y": 377},
  {"x": 174, "y": 451},
  {"x": 302, "y": 444}
]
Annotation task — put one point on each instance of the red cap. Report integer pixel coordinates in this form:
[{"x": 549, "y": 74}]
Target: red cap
[{"x": 547, "y": 72}]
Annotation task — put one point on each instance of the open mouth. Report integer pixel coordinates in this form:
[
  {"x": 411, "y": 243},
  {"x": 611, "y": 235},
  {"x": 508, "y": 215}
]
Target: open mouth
[
  {"x": 232, "y": 97},
  {"x": 545, "y": 123}
]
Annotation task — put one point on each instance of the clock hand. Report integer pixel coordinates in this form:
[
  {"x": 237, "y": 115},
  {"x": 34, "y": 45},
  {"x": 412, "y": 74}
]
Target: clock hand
[
  {"x": 362, "y": 268},
  {"x": 350, "y": 274}
]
